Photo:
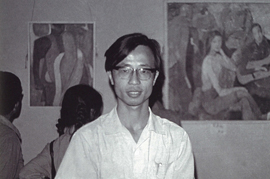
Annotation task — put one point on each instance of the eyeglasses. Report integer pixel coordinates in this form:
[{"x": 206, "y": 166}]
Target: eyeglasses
[{"x": 143, "y": 73}]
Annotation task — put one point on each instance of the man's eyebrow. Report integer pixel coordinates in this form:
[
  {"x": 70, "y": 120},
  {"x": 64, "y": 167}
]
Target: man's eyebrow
[
  {"x": 123, "y": 65},
  {"x": 129, "y": 65},
  {"x": 145, "y": 65}
]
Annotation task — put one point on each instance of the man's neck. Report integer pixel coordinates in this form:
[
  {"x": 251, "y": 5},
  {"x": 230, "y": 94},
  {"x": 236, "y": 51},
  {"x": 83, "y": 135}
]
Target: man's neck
[{"x": 133, "y": 117}]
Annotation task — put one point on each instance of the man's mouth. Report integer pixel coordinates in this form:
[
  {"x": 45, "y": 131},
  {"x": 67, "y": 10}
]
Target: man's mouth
[{"x": 134, "y": 94}]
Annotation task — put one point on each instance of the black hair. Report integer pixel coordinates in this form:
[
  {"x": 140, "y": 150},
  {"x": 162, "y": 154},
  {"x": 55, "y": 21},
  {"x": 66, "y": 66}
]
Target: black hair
[
  {"x": 10, "y": 92},
  {"x": 126, "y": 44},
  {"x": 211, "y": 36},
  {"x": 81, "y": 104},
  {"x": 157, "y": 94},
  {"x": 256, "y": 25}
]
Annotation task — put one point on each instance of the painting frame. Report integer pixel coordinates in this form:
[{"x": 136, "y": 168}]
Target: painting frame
[
  {"x": 188, "y": 96},
  {"x": 52, "y": 48}
]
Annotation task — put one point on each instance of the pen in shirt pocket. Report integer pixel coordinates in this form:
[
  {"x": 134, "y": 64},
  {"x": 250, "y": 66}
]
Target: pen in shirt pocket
[{"x": 160, "y": 169}]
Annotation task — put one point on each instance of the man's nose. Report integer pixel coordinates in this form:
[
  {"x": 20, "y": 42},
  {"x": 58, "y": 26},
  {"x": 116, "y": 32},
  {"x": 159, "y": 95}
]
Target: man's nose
[{"x": 134, "y": 78}]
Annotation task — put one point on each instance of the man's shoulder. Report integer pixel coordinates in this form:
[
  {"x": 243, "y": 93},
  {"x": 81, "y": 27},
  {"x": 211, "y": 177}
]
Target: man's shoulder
[
  {"x": 95, "y": 126},
  {"x": 169, "y": 126},
  {"x": 7, "y": 135},
  {"x": 171, "y": 132},
  {"x": 7, "y": 132}
]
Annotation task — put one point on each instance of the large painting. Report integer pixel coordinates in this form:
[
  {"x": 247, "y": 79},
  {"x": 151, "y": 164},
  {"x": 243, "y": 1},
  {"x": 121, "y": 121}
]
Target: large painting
[
  {"x": 61, "y": 55},
  {"x": 240, "y": 82}
]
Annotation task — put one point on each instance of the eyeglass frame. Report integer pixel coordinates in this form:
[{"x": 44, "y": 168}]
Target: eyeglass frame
[{"x": 132, "y": 70}]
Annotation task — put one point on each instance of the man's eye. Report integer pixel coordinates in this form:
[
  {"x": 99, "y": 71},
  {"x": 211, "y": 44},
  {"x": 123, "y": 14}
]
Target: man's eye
[
  {"x": 125, "y": 70},
  {"x": 142, "y": 71}
]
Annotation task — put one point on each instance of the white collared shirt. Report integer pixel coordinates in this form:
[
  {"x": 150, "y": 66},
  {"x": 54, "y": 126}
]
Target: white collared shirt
[{"x": 106, "y": 149}]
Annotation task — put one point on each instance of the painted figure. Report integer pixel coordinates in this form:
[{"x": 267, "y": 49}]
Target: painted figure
[{"x": 218, "y": 92}]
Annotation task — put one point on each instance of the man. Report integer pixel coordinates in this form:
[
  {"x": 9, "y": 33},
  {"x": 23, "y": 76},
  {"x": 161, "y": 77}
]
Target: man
[
  {"x": 130, "y": 141},
  {"x": 255, "y": 58},
  {"x": 260, "y": 47},
  {"x": 11, "y": 159},
  {"x": 254, "y": 70}
]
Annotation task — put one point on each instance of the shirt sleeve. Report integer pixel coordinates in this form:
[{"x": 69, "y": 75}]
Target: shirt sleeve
[
  {"x": 39, "y": 167},
  {"x": 184, "y": 164},
  {"x": 79, "y": 161},
  {"x": 10, "y": 156}
]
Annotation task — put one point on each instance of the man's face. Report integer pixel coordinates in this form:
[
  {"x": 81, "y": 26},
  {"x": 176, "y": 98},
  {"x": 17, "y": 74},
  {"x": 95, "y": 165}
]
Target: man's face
[
  {"x": 257, "y": 34},
  {"x": 132, "y": 90}
]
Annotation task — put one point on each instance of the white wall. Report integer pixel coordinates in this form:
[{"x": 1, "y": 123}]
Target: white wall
[
  {"x": 242, "y": 151},
  {"x": 230, "y": 149}
]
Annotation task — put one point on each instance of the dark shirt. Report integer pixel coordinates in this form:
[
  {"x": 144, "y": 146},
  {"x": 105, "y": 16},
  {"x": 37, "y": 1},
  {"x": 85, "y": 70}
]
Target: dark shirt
[
  {"x": 253, "y": 52},
  {"x": 261, "y": 51}
]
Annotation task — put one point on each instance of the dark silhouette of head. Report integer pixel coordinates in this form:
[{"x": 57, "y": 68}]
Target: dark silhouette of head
[
  {"x": 81, "y": 104},
  {"x": 10, "y": 95}
]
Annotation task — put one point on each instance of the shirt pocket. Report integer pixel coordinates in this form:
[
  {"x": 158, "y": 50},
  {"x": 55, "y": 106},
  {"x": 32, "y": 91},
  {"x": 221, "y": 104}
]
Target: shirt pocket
[
  {"x": 160, "y": 170},
  {"x": 160, "y": 164}
]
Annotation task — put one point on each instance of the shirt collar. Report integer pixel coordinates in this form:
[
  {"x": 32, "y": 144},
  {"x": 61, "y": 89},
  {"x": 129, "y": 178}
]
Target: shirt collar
[
  {"x": 112, "y": 124},
  {"x": 154, "y": 124},
  {"x": 7, "y": 123}
]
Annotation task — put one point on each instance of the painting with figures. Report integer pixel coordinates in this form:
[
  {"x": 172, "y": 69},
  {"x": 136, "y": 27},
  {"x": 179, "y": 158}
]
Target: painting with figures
[
  {"x": 61, "y": 55},
  {"x": 217, "y": 60}
]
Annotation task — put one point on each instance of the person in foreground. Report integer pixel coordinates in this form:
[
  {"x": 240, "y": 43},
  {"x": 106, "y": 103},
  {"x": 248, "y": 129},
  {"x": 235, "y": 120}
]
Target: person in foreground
[
  {"x": 11, "y": 158},
  {"x": 81, "y": 104},
  {"x": 130, "y": 141}
]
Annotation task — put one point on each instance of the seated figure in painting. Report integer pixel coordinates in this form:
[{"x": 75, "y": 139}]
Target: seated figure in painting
[
  {"x": 254, "y": 68},
  {"x": 218, "y": 96}
]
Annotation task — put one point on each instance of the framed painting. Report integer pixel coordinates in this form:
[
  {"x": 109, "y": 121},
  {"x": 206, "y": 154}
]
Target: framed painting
[
  {"x": 244, "y": 30},
  {"x": 61, "y": 55}
]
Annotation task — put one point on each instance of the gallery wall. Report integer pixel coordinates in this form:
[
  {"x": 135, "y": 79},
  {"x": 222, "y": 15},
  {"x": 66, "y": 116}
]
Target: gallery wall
[{"x": 222, "y": 149}]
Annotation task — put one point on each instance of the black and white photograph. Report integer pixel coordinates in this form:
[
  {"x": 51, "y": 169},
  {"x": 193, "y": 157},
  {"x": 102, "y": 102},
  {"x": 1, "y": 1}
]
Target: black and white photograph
[{"x": 135, "y": 89}]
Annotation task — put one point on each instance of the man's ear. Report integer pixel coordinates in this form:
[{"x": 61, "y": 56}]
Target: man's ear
[
  {"x": 156, "y": 76},
  {"x": 109, "y": 73}
]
